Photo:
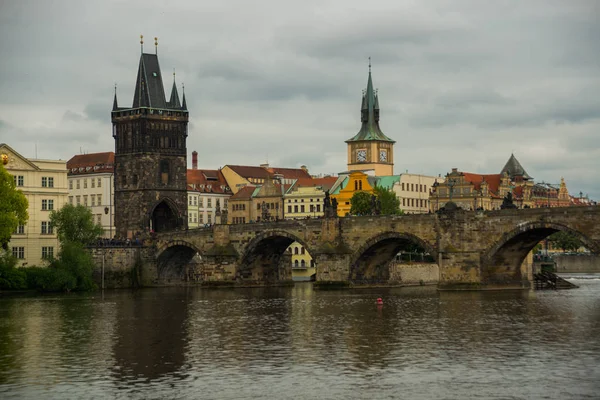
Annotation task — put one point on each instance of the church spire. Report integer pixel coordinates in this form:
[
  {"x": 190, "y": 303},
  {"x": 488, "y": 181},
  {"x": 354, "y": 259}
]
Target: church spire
[{"x": 184, "y": 104}]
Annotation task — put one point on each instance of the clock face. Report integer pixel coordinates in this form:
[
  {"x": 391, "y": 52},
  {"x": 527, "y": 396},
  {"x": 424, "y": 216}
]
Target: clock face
[
  {"x": 361, "y": 155},
  {"x": 382, "y": 155}
]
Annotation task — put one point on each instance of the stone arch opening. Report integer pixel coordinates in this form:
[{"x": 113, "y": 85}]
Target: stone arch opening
[
  {"x": 268, "y": 258},
  {"x": 370, "y": 264},
  {"x": 175, "y": 262},
  {"x": 503, "y": 262},
  {"x": 164, "y": 216}
]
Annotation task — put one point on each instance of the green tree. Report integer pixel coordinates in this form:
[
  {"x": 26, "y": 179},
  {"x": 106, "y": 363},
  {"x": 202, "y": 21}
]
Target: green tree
[
  {"x": 13, "y": 207},
  {"x": 360, "y": 203},
  {"x": 75, "y": 224},
  {"x": 390, "y": 204},
  {"x": 565, "y": 241}
]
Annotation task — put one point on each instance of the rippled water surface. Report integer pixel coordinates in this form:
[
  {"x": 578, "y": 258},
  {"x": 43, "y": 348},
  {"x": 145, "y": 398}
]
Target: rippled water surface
[{"x": 302, "y": 343}]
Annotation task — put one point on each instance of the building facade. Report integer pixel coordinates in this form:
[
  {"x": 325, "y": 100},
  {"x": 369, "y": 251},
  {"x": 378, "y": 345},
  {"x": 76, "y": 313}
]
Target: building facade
[
  {"x": 412, "y": 190},
  {"x": 370, "y": 148},
  {"x": 346, "y": 186},
  {"x": 208, "y": 196},
  {"x": 44, "y": 183},
  {"x": 150, "y": 156},
  {"x": 91, "y": 183}
]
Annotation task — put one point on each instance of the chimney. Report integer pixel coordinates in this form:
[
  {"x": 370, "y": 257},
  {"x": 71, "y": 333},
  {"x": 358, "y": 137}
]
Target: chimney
[{"x": 194, "y": 159}]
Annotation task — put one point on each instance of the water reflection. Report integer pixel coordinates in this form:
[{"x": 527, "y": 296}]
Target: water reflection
[
  {"x": 302, "y": 343},
  {"x": 151, "y": 335}
]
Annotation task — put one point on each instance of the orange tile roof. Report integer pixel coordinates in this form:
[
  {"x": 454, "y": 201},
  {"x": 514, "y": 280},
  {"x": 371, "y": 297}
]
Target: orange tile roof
[
  {"x": 266, "y": 172},
  {"x": 326, "y": 183}
]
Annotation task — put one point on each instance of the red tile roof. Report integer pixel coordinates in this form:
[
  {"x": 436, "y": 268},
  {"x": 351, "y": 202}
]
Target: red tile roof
[
  {"x": 207, "y": 181},
  {"x": 91, "y": 163},
  {"x": 266, "y": 172},
  {"x": 326, "y": 183},
  {"x": 493, "y": 180}
]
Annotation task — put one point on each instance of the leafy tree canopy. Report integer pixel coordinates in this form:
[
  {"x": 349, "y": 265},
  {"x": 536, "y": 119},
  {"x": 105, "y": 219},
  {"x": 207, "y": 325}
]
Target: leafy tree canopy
[
  {"x": 13, "y": 207},
  {"x": 360, "y": 203},
  {"x": 390, "y": 204},
  {"x": 75, "y": 224},
  {"x": 565, "y": 241}
]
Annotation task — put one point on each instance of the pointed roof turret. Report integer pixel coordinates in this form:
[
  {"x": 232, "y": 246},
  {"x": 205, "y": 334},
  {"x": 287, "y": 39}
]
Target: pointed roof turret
[
  {"x": 115, "y": 103},
  {"x": 184, "y": 103},
  {"x": 370, "y": 129},
  {"x": 514, "y": 168},
  {"x": 174, "y": 101}
]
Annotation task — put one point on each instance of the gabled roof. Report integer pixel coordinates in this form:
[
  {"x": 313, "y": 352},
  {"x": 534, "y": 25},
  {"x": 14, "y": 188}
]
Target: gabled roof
[
  {"x": 268, "y": 172},
  {"x": 91, "y": 163},
  {"x": 370, "y": 130},
  {"x": 324, "y": 183},
  {"x": 514, "y": 168},
  {"x": 244, "y": 193},
  {"x": 17, "y": 155}
]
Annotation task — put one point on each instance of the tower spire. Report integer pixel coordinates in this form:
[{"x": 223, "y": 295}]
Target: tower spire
[
  {"x": 115, "y": 103},
  {"x": 174, "y": 101},
  {"x": 184, "y": 104},
  {"x": 142, "y": 44},
  {"x": 370, "y": 98}
]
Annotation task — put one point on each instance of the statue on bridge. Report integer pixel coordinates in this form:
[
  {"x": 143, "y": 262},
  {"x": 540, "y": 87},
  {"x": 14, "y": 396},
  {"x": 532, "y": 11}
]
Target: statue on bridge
[
  {"x": 329, "y": 206},
  {"x": 507, "y": 202}
]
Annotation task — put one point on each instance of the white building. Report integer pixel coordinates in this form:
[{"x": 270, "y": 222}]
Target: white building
[
  {"x": 413, "y": 192},
  {"x": 91, "y": 183},
  {"x": 207, "y": 191},
  {"x": 44, "y": 183}
]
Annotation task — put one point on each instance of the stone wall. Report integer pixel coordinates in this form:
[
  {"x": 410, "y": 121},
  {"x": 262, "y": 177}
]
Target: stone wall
[
  {"x": 119, "y": 266},
  {"x": 414, "y": 274},
  {"x": 589, "y": 263}
]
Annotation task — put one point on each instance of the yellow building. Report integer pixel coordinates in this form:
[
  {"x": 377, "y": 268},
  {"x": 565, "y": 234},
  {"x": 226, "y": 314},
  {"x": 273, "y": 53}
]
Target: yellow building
[
  {"x": 44, "y": 183},
  {"x": 305, "y": 198},
  {"x": 370, "y": 148},
  {"x": 345, "y": 188}
]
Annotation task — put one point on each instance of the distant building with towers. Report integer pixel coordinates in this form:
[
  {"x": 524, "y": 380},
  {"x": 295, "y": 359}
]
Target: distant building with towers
[{"x": 150, "y": 155}]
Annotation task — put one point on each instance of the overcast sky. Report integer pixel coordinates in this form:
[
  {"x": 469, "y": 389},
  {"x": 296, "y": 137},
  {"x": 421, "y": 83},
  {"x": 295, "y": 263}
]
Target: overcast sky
[{"x": 461, "y": 83}]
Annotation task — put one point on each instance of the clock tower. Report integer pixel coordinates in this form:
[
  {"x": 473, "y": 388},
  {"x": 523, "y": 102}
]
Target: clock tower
[{"x": 370, "y": 149}]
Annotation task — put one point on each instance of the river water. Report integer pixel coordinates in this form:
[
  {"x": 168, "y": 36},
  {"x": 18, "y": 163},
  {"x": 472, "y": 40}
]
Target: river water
[{"x": 300, "y": 343}]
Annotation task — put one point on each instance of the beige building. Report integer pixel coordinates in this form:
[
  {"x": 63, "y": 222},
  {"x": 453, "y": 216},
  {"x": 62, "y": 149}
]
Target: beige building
[
  {"x": 44, "y": 183},
  {"x": 413, "y": 192},
  {"x": 208, "y": 197},
  {"x": 91, "y": 183},
  {"x": 305, "y": 198}
]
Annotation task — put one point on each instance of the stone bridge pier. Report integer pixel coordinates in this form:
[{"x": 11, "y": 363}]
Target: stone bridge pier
[{"x": 471, "y": 250}]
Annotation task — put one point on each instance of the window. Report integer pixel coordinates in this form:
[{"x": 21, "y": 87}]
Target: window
[
  {"x": 296, "y": 264},
  {"x": 19, "y": 180},
  {"x": 99, "y": 182},
  {"x": 20, "y": 230},
  {"x": 44, "y": 205},
  {"x": 164, "y": 172},
  {"x": 303, "y": 263},
  {"x": 99, "y": 218},
  {"x": 302, "y": 208},
  {"x": 44, "y": 181},
  {"x": 303, "y": 251},
  {"x": 99, "y": 199},
  {"x": 85, "y": 183},
  {"x": 70, "y": 185},
  {"x": 195, "y": 200},
  {"x": 93, "y": 200},
  {"x": 78, "y": 184},
  {"x": 225, "y": 204},
  {"x": 189, "y": 200},
  {"x": 201, "y": 202},
  {"x": 295, "y": 209},
  {"x": 190, "y": 218},
  {"x": 289, "y": 209},
  {"x": 78, "y": 199},
  {"x": 47, "y": 252},
  {"x": 201, "y": 218},
  {"x": 209, "y": 219},
  {"x": 85, "y": 200},
  {"x": 18, "y": 252},
  {"x": 47, "y": 228},
  {"x": 318, "y": 208},
  {"x": 195, "y": 217},
  {"x": 295, "y": 250},
  {"x": 209, "y": 203},
  {"x": 93, "y": 182}
]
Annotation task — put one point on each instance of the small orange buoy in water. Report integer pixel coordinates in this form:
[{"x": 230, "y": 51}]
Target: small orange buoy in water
[{"x": 379, "y": 300}]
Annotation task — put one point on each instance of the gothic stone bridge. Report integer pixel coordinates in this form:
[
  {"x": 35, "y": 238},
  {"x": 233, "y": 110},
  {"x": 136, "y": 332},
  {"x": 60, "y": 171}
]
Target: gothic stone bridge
[{"x": 472, "y": 249}]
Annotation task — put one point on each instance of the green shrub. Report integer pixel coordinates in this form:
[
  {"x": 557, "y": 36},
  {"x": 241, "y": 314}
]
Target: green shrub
[{"x": 11, "y": 277}]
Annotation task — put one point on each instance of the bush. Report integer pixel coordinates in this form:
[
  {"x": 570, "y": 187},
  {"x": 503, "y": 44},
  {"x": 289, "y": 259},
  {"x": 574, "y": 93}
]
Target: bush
[{"x": 11, "y": 277}]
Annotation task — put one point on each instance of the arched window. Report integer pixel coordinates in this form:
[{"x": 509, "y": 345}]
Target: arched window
[
  {"x": 303, "y": 264},
  {"x": 295, "y": 263},
  {"x": 295, "y": 250}
]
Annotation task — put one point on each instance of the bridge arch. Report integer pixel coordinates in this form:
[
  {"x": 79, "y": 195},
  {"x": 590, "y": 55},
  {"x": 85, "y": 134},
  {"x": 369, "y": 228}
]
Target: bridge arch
[
  {"x": 370, "y": 263},
  {"x": 501, "y": 263},
  {"x": 173, "y": 258},
  {"x": 265, "y": 260}
]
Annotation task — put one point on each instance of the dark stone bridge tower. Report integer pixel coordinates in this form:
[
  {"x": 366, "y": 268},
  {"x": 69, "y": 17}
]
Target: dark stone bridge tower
[{"x": 150, "y": 156}]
